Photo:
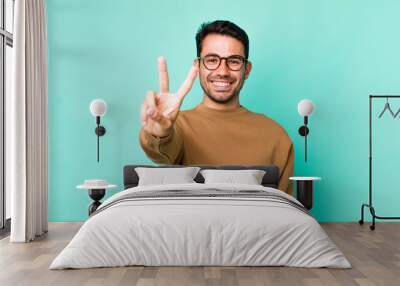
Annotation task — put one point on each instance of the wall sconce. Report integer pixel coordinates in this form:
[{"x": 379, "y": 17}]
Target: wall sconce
[
  {"x": 305, "y": 108},
  {"x": 98, "y": 108}
]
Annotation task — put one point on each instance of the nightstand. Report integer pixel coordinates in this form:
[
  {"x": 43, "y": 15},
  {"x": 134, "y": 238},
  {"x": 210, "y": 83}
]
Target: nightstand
[
  {"x": 97, "y": 190},
  {"x": 304, "y": 187}
]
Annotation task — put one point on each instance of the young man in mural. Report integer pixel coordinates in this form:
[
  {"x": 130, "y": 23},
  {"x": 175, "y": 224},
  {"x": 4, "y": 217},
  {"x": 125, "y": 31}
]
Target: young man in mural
[{"x": 219, "y": 131}]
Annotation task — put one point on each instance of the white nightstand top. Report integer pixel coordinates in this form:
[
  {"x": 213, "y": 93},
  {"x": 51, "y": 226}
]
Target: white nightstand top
[
  {"x": 95, "y": 187},
  {"x": 305, "y": 178},
  {"x": 95, "y": 184}
]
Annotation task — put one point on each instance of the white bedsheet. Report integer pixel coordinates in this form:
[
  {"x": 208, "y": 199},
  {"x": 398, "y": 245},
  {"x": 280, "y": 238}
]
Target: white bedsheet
[{"x": 200, "y": 231}]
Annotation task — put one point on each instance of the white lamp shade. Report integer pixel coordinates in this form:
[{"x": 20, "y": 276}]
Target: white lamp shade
[
  {"x": 305, "y": 107},
  {"x": 98, "y": 107}
]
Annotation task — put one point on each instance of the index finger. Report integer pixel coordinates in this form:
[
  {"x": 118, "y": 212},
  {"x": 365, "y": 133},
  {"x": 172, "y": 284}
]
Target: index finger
[
  {"x": 163, "y": 71},
  {"x": 188, "y": 83}
]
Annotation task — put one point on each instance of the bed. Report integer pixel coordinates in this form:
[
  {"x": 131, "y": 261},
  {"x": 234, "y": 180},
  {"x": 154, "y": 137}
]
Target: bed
[{"x": 201, "y": 224}]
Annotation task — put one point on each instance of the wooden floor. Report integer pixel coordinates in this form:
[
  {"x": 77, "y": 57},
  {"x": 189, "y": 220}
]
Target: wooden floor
[{"x": 375, "y": 256}]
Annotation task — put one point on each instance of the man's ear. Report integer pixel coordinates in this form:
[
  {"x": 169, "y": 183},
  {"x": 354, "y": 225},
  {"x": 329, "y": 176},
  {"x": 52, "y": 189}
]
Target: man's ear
[{"x": 248, "y": 69}]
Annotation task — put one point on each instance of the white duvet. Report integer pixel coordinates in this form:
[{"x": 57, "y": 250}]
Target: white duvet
[{"x": 188, "y": 231}]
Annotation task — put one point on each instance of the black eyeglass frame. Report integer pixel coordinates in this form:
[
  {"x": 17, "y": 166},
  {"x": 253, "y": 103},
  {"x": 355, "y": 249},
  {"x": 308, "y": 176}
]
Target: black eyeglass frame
[{"x": 245, "y": 61}]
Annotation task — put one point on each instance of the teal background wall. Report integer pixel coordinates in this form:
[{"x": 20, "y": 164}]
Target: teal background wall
[{"x": 335, "y": 53}]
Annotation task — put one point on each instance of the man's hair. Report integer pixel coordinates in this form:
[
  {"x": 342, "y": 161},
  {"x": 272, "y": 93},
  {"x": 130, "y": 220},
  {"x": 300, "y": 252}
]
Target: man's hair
[{"x": 222, "y": 28}]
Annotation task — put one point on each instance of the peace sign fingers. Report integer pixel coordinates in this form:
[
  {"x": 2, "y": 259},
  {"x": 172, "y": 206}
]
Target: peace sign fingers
[
  {"x": 164, "y": 80},
  {"x": 188, "y": 83}
]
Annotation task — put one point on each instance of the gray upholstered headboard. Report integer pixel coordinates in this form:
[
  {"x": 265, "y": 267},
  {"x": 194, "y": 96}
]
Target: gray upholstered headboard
[{"x": 270, "y": 179}]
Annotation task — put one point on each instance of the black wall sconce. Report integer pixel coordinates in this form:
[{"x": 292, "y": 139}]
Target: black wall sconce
[
  {"x": 98, "y": 108},
  {"x": 305, "y": 108}
]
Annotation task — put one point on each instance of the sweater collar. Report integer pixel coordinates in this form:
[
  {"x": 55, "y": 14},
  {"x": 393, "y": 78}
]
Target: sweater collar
[{"x": 204, "y": 109}]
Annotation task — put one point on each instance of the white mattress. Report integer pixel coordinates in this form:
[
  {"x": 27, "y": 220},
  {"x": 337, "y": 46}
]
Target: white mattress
[{"x": 202, "y": 231}]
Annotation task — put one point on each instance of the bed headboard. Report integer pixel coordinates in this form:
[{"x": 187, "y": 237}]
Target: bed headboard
[{"x": 270, "y": 179}]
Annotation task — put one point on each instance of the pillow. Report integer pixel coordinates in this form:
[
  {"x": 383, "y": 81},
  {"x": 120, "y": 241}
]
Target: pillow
[
  {"x": 162, "y": 176},
  {"x": 249, "y": 177}
]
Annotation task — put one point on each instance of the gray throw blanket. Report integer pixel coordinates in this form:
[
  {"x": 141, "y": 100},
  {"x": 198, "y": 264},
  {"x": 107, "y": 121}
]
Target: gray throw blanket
[{"x": 205, "y": 193}]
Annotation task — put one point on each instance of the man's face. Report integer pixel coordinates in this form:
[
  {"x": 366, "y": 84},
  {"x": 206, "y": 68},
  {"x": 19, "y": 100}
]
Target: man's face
[{"x": 223, "y": 84}]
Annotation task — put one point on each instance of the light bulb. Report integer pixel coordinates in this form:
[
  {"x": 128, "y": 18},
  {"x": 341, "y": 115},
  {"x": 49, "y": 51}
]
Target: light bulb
[
  {"x": 305, "y": 107},
  {"x": 98, "y": 107}
]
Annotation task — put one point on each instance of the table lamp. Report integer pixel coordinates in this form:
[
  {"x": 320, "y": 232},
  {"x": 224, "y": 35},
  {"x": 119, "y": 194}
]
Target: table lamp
[
  {"x": 98, "y": 108},
  {"x": 305, "y": 107}
]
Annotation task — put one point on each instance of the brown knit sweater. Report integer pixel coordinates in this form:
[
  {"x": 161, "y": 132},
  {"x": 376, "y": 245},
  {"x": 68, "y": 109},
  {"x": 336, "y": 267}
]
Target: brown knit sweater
[{"x": 204, "y": 136}]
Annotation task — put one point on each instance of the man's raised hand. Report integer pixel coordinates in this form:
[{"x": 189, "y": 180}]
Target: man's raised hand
[{"x": 159, "y": 111}]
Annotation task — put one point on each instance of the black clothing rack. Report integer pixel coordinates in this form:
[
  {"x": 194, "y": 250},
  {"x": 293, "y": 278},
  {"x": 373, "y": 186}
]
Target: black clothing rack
[{"x": 370, "y": 205}]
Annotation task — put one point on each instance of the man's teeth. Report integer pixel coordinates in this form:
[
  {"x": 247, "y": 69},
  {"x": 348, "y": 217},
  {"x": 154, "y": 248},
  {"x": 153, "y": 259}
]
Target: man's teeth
[{"x": 221, "y": 83}]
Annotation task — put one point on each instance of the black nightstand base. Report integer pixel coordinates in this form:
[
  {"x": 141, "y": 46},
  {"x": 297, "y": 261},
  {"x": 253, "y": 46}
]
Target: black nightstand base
[
  {"x": 96, "y": 195},
  {"x": 305, "y": 193}
]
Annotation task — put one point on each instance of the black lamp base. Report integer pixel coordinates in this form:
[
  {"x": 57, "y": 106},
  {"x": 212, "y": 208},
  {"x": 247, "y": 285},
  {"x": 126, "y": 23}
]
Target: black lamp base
[
  {"x": 303, "y": 130},
  {"x": 100, "y": 130}
]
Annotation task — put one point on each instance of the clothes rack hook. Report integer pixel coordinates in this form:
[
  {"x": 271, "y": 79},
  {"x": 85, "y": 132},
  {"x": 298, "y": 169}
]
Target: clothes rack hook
[{"x": 387, "y": 107}]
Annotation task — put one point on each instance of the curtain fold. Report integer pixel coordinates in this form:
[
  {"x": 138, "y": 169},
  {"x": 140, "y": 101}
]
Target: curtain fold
[{"x": 28, "y": 122}]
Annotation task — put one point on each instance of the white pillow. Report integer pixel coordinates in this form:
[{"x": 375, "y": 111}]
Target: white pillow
[
  {"x": 249, "y": 177},
  {"x": 162, "y": 176}
]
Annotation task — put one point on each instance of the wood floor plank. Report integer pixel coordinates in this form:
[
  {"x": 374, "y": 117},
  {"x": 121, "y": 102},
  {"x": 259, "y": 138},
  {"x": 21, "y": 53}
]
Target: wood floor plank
[{"x": 374, "y": 255}]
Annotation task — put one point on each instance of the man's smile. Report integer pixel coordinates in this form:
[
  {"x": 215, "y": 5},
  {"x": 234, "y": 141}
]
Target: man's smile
[{"x": 222, "y": 85}]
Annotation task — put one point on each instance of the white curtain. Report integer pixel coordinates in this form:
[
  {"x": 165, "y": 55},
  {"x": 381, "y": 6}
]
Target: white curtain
[{"x": 27, "y": 123}]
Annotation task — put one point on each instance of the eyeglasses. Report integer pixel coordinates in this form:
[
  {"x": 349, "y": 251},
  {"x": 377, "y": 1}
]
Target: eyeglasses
[{"x": 212, "y": 62}]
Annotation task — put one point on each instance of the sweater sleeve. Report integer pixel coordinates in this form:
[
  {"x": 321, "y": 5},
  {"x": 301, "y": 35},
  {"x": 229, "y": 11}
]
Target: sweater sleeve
[
  {"x": 165, "y": 150},
  {"x": 284, "y": 183}
]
